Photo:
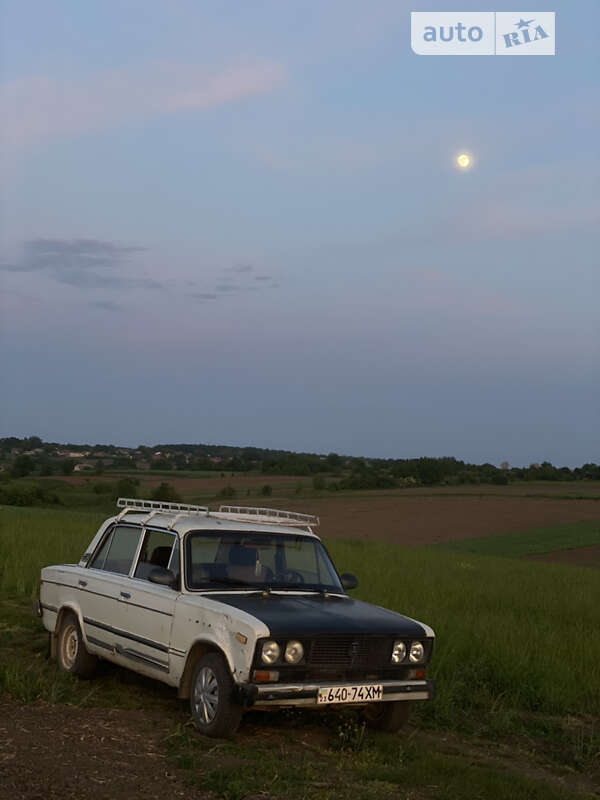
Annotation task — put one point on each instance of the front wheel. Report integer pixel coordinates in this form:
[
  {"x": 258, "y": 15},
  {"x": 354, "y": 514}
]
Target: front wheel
[
  {"x": 389, "y": 717},
  {"x": 213, "y": 709},
  {"x": 72, "y": 655}
]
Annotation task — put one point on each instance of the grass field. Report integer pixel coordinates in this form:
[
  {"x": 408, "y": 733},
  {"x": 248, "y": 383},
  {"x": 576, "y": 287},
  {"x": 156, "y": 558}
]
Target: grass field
[
  {"x": 517, "y": 666},
  {"x": 533, "y": 542}
]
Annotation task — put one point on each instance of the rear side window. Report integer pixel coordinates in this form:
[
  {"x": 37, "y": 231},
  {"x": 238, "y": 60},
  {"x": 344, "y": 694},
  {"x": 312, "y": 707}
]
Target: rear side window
[
  {"x": 156, "y": 551},
  {"x": 117, "y": 551}
]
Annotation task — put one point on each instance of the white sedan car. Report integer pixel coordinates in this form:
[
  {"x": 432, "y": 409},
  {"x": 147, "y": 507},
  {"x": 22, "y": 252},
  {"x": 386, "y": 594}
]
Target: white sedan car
[{"x": 238, "y": 608}]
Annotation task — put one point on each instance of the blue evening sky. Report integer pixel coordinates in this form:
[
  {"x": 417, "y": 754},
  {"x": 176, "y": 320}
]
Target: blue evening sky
[{"x": 241, "y": 223}]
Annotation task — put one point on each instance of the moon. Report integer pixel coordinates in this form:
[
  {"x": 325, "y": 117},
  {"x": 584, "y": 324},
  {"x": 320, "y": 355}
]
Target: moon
[{"x": 463, "y": 160}]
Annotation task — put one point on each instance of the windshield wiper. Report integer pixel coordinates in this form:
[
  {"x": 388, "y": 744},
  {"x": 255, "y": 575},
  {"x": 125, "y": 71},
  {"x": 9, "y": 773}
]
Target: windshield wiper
[{"x": 300, "y": 587}]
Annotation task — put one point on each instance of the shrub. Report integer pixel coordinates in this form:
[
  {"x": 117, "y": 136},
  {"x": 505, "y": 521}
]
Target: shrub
[
  {"x": 104, "y": 488},
  {"x": 267, "y": 490},
  {"x": 27, "y": 496},
  {"x": 127, "y": 487},
  {"x": 167, "y": 493},
  {"x": 22, "y": 466},
  {"x": 227, "y": 492}
]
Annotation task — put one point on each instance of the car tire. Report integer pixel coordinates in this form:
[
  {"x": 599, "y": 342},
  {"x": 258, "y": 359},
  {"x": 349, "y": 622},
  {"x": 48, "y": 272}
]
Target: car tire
[
  {"x": 389, "y": 717},
  {"x": 71, "y": 652},
  {"x": 215, "y": 712}
]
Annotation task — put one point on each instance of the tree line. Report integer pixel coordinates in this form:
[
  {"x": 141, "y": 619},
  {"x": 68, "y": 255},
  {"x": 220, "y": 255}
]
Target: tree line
[{"x": 32, "y": 456}]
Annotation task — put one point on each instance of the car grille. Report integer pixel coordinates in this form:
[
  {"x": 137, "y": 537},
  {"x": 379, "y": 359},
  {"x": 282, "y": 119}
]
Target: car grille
[{"x": 350, "y": 652}]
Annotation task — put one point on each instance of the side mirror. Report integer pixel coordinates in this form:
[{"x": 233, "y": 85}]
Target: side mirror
[
  {"x": 162, "y": 576},
  {"x": 349, "y": 581}
]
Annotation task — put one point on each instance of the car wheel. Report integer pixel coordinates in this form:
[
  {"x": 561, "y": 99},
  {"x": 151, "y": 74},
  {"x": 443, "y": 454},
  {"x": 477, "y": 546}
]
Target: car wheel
[
  {"x": 388, "y": 717},
  {"x": 214, "y": 711},
  {"x": 72, "y": 654}
]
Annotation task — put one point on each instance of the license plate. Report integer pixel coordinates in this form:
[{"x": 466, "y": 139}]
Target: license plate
[{"x": 365, "y": 693}]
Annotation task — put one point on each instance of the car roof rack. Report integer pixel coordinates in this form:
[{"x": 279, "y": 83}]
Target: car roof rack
[
  {"x": 266, "y": 516},
  {"x": 132, "y": 505},
  {"x": 269, "y": 516}
]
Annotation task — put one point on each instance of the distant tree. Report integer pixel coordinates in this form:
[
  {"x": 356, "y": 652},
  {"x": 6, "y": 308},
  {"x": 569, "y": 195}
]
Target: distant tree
[
  {"x": 429, "y": 471},
  {"x": 161, "y": 463},
  {"x": 227, "y": 492},
  {"x": 267, "y": 490},
  {"x": 99, "y": 467},
  {"x": 127, "y": 487},
  {"x": 22, "y": 466},
  {"x": 319, "y": 483},
  {"x": 123, "y": 462},
  {"x": 167, "y": 493},
  {"x": 66, "y": 466},
  {"x": 105, "y": 487},
  {"x": 334, "y": 461}
]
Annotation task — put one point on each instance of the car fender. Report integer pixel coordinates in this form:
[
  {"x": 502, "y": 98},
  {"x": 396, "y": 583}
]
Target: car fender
[
  {"x": 200, "y": 619},
  {"x": 68, "y": 607}
]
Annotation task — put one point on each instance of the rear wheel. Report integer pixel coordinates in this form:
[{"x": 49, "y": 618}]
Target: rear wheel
[
  {"x": 388, "y": 717},
  {"x": 72, "y": 655},
  {"x": 214, "y": 711}
]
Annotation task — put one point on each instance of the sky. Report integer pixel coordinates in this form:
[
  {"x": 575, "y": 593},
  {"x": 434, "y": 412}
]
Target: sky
[{"x": 242, "y": 223}]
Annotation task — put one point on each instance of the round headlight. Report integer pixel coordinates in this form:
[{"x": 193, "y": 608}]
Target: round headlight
[
  {"x": 398, "y": 653},
  {"x": 417, "y": 652},
  {"x": 293, "y": 652},
  {"x": 270, "y": 652}
]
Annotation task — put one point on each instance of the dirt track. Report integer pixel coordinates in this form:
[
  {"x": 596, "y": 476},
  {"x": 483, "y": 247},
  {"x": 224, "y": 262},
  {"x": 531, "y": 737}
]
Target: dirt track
[{"x": 55, "y": 752}]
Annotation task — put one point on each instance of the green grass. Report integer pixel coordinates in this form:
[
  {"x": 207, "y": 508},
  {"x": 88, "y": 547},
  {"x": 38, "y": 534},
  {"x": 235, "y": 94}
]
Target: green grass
[
  {"x": 32, "y": 538},
  {"x": 516, "y": 659},
  {"x": 510, "y": 634},
  {"x": 530, "y": 542},
  {"x": 306, "y": 761}
]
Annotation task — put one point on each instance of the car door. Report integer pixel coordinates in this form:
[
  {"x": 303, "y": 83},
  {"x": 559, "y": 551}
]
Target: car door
[
  {"x": 104, "y": 586},
  {"x": 148, "y": 608}
]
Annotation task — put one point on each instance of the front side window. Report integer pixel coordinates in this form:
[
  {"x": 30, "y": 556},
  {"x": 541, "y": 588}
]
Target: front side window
[
  {"x": 157, "y": 551},
  {"x": 118, "y": 550},
  {"x": 263, "y": 560}
]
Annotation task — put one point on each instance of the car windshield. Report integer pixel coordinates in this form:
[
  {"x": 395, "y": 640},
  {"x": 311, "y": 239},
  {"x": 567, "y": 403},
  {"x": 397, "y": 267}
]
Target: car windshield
[{"x": 217, "y": 560}]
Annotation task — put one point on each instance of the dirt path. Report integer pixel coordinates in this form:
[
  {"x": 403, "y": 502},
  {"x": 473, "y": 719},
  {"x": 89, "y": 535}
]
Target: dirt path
[{"x": 49, "y": 752}]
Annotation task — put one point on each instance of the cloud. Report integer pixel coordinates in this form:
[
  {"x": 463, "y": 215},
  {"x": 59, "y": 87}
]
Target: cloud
[
  {"x": 84, "y": 263},
  {"x": 263, "y": 278},
  {"x": 39, "y": 254},
  {"x": 37, "y": 108},
  {"x": 204, "y": 296},
  {"x": 240, "y": 268},
  {"x": 105, "y": 305},
  {"x": 226, "y": 287}
]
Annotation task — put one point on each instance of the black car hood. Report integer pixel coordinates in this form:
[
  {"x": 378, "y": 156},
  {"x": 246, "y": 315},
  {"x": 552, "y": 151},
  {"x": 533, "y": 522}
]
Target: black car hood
[{"x": 309, "y": 615}]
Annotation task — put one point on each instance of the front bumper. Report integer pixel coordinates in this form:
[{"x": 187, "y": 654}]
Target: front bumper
[{"x": 290, "y": 694}]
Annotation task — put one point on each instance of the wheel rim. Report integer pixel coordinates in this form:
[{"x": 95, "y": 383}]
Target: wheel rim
[
  {"x": 206, "y": 696},
  {"x": 69, "y": 646}
]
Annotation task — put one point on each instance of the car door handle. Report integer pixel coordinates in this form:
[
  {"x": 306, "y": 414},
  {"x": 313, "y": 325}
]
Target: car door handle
[
  {"x": 126, "y": 595},
  {"x": 83, "y": 583}
]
